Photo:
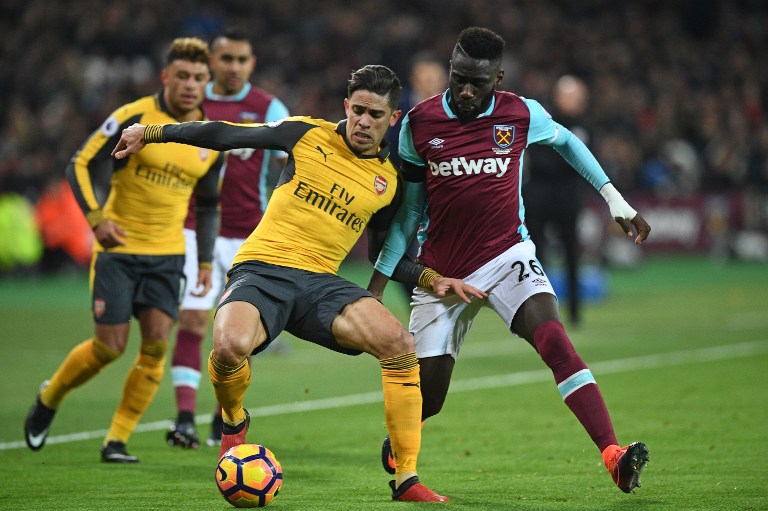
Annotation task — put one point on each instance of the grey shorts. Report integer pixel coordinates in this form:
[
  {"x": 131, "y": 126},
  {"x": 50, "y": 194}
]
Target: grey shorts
[
  {"x": 300, "y": 302},
  {"x": 125, "y": 284}
]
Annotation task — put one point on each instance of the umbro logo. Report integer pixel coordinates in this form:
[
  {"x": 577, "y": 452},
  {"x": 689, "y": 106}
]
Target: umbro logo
[{"x": 437, "y": 143}]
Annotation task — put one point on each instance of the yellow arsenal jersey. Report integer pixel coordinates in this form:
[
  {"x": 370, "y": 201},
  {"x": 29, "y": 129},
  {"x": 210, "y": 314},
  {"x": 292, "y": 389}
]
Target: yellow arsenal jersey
[
  {"x": 148, "y": 193},
  {"x": 327, "y": 194}
]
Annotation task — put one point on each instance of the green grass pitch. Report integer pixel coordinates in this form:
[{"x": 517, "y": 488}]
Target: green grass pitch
[{"x": 679, "y": 347}]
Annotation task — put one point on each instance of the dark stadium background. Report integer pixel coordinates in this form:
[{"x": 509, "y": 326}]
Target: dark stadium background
[
  {"x": 678, "y": 340},
  {"x": 679, "y": 94}
]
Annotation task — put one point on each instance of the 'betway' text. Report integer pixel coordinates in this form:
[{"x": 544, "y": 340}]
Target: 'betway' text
[{"x": 463, "y": 167}]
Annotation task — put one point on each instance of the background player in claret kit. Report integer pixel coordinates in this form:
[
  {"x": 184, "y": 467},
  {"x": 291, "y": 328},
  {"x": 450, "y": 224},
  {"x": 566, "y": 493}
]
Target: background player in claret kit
[
  {"x": 462, "y": 153},
  {"x": 136, "y": 208},
  {"x": 228, "y": 97},
  {"x": 339, "y": 181}
]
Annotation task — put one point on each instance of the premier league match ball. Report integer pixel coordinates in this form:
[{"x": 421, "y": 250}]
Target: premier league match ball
[{"x": 249, "y": 475}]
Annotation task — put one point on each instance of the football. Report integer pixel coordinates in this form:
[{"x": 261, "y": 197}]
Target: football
[{"x": 249, "y": 475}]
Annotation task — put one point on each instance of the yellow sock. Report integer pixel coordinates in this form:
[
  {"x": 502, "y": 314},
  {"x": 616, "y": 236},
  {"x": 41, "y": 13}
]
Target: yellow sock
[
  {"x": 229, "y": 386},
  {"x": 402, "y": 411},
  {"x": 82, "y": 363},
  {"x": 140, "y": 388}
]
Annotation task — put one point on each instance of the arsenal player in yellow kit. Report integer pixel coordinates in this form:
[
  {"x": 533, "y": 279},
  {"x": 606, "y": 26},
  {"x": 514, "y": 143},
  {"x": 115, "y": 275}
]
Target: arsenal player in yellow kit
[
  {"x": 136, "y": 208},
  {"x": 338, "y": 181}
]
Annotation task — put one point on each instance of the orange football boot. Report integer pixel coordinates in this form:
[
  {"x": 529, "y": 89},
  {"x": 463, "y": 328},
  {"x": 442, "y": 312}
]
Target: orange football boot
[{"x": 625, "y": 464}]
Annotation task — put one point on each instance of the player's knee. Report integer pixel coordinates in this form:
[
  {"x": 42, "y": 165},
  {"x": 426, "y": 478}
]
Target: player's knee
[
  {"x": 194, "y": 321},
  {"x": 109, "y": 345},
  {"x": 104, "y": 352},
  {"x": 230, "y": 348},
  {"x": 154, "y": 349},
  {"x": 229, "y": 354},
  {"x": 398, "y": 342},
  {"x": 407, "y": 341},
  {"x": 237, "y": 331},
  {"x": 553, "y": 344}
]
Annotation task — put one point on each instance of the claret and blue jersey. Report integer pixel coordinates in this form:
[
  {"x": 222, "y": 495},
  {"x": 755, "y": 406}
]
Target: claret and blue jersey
[
  {"x": 244, "y": 183},
  {"x": 472, "y": 173}
]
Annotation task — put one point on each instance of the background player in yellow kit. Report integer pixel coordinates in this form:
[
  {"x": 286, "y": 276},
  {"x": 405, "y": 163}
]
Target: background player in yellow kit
[{"x": 136, "y": 208}]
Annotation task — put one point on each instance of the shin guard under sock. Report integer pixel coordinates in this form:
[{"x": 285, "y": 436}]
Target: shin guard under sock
[
  {"x": 82, "y": 363},
  {"x": 139, "y": 390},
  {"x": 575, "y": 382},
  {"x": 229, "y": 386},
  {"x": 402, "y": 409}
]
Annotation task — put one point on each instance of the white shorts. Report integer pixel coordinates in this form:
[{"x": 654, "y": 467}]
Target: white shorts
[
  {"x": 441, "y": 324},
  {"x": 224, "y": 252}
]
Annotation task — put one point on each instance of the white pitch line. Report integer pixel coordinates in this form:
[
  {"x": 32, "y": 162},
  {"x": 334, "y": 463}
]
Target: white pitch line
[
  {"x": 655, "y": 361},
  {"x": 748, "y": 321}
]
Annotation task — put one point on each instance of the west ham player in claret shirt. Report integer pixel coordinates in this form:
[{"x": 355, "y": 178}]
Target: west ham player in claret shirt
[
  {"x": 462, "y": 160},
  {"x": 244, "y": 192}
]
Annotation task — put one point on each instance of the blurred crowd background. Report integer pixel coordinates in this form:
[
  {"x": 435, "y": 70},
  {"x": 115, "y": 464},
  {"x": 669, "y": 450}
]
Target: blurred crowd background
[{"x": 679, "y": 88}]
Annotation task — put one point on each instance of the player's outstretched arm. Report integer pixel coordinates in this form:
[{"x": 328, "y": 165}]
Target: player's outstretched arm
[{"x": 131, "y": 141}]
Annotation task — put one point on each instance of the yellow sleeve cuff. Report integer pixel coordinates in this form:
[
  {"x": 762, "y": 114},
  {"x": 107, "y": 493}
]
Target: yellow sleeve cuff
[
  {"x": 427, "y": 277},
  {"x": 94, "y": 217},
  {"x": 153, "y": 134}
]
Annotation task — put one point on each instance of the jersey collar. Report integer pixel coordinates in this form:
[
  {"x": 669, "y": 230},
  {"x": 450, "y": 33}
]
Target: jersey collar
[
  {"x": 163, "y": 107},
  {"x": 209, "y": 94},
  {"x": 341, "y": 129},
  {"x": 450, "y": 114}
]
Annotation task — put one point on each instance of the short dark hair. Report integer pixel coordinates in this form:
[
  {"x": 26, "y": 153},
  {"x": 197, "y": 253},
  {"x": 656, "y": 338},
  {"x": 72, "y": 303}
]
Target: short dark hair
[
  {"x": 480, "y": 43},
  {"x": 379, "y": 80},
  {"x": 191, "y": 49},
  {"x": 233, "y": 34}
]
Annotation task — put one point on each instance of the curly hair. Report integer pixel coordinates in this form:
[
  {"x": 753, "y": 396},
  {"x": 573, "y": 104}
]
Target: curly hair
[
  {"x": 190, "y": 49},
  {"x": 480, "y": 43}
]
